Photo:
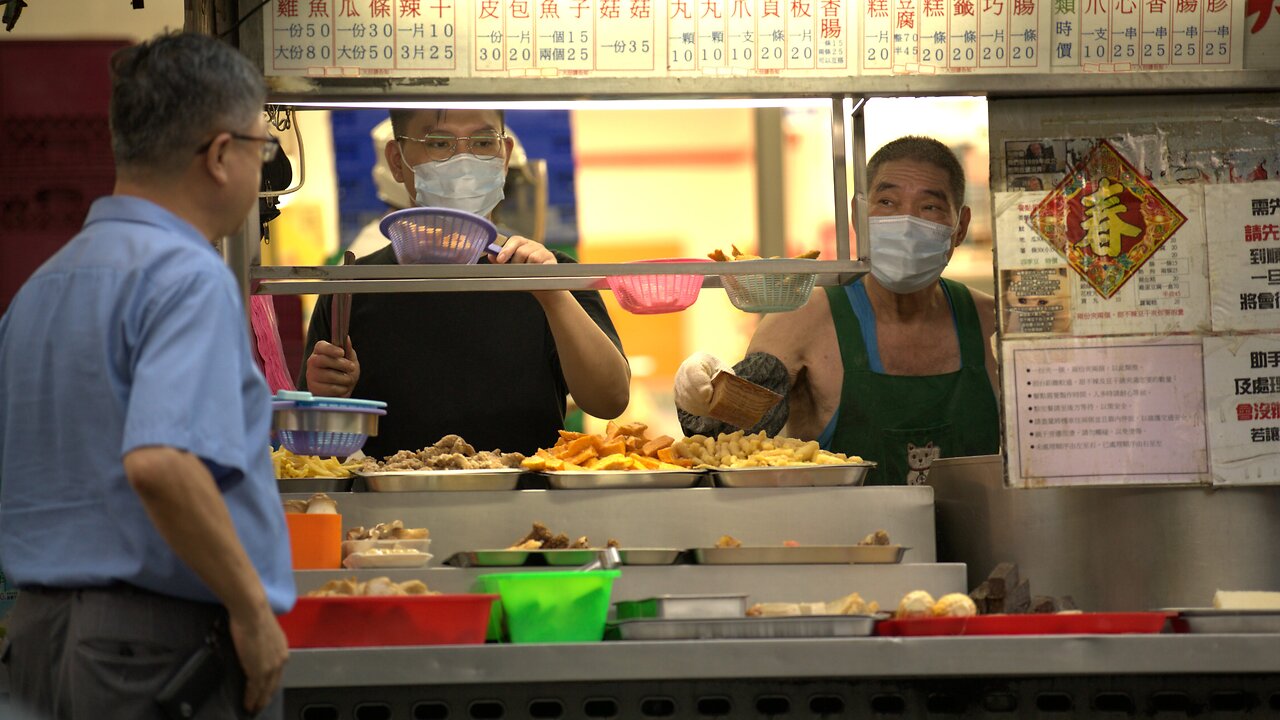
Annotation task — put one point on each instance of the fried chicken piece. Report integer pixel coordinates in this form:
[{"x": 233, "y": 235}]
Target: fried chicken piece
[
  {"x": 450, "y": 461},
  {"x": 455, "y": 444},
  {"x": 878, "y": 537},
  {"x": 527, "y": 545},
  {"x": 539, "y": 534},
  {"x": 380, "y": 586},
  {"x": 559, "y": 542},
  {"x": 511, "y": 460},
  {"x": 581, "y": 543},
  {"x": 728, "y": 541},
  {"x": 613, "y": 544}
]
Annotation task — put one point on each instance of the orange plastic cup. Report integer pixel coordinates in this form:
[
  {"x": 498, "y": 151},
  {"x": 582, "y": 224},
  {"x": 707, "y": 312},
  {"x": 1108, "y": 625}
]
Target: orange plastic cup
[{"x": 315, "y": 540}]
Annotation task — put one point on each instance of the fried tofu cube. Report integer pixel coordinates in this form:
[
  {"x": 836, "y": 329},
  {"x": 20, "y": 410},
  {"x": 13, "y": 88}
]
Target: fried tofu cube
[{"x": 652, "y": 447}]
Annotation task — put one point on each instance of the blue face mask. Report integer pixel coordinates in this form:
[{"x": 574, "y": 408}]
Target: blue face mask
[
  {"x": 908, "y": 253},
  {"x": 463, "y": 182}
]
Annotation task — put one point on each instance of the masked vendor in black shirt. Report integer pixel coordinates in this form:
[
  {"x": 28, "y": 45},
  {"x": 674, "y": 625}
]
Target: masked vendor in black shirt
[{"x": 492, "y": 367}]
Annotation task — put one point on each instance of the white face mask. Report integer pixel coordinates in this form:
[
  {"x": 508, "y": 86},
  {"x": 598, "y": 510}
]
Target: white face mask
[
  {"x": 908, "y": 253},
  {"x": 463, "y": 182}
]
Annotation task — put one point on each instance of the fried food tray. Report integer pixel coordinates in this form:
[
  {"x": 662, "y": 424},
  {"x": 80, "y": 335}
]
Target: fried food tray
[
  {"x": 682, "y": 607},
  {"x": 315, "y": 485},
  {"x": 559, "y": 558},
  {"x": 801, "y": 555},
  {"x": 1226, "y": 622},
  {"x": 612, "y": 479},
  {"x": 810, "y": 626},
  {"x": 793, "y": 476},
  {"x": 441, "y": 480}
]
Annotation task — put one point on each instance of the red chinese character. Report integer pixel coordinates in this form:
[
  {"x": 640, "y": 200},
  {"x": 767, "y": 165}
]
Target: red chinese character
[
  {"x": 799, "y": 9},
  {"x": 831, "y": 8},
  {"x": 640, "y": 9},
  {"x": 710, "y": 6},
  {"x": 348, "y": 9},
  {"x": 580, "y": 8},
  {"x": 287, "y": 8},
  {"x": 1155, "y": 6},
  {"x": 740, "y": 9},
  {"x": 680, "y": 9},
  {"x": 379, "y": 8},
  {"x": 830, "y": 27},
  {"x": 519, "y": 9},
  {"x": 440, "y": 7},
  {"x": 878, "y": 8},
  {"x": 964, "y": 8},
  {"x": 1270, "y": 232},
  {"x": 993, "y": 7},
  {"x": 906, "y": 19},
  {"x": 319, "y": 8},
  {"x": 1126, "y": 7},
  {"x": 549, "y": 10},
  {"x": 409, "y": 8},
  {"x": 1216, "y": 6},
  {"x": 609, "y": 9},
  {"x": 489, "y": 9},
  {"x": 771, "y": 8},
  {"x": 934, "y": 8},
  {"x": 1024, "y": 7},
  {"x": 1244, "y": 412},
  {"x": 1097, "y": 7},
  {"x": 1261, "y": 8},
  {"x": 1186, "y": 6}
]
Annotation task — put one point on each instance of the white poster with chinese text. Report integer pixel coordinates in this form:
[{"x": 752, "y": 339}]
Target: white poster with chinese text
[
  {"x": 1242, "y": 388},
  {"x": 1121, "y": 411},
  {"x": 937, "y": 36},
  {"x": 1117, "y": 36},
  {"x": 1244, "y": 255}
]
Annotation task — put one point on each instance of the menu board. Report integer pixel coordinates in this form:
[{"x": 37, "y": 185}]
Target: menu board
[
  {"x": 675, "y": 38},
  {"x": 1040, "y": 294},
  {"x": 1244, "y": 255},
  {"x": 1104, "y": 411},
  {"x": 1242, "y": 411}
]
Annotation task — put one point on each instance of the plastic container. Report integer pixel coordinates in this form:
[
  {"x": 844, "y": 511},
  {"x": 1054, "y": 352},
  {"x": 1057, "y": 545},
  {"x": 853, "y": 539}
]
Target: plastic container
[
  {"x": 433, "y": 235},
  {"x": 396, "y": 620},
  {"x": 315, "y": 540},
  {"x": 357, "y": 546},
  {"x": 1031, "y": 624},
  {"x": 768, "y": 292},
  {"x": 325, "y": 428},
  {"x": 557, "y": 606},
  {"x": 654, "y": 294}
]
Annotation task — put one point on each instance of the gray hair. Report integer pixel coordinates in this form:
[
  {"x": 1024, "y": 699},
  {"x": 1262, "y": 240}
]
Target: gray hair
[
  {"x": 173, "y": 93},
  {"x": 922, "y": 149}
]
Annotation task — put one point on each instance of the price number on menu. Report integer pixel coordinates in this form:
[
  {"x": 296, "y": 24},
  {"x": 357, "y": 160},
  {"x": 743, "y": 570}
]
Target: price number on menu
[{"x": 630, "y": 47}]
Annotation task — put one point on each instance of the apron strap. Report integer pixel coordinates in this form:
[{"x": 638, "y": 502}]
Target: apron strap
[
  {"x": 968, "y": 327},
  {"x": 853, "y": 351}
]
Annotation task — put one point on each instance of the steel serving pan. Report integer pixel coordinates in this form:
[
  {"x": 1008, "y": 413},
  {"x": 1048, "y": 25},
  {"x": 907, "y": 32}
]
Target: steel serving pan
[
  {"x": 315, "y": 484},
  {"x": 441, "y": 480},
  {"x": 792, "y": 476},
  {"x": 809, "y": 626},
  {"x": 683, "y": 607},
  {"x": 1226, "y": 622},
  {"x": 650, "y": 556},
  {"x": 559, "y": 558},
  {"x": 800, "y": 555},
  {"x": 595, "y": 480}
]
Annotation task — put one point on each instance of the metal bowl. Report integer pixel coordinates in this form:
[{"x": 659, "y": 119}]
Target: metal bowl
[{"x": 339, "y": 420}]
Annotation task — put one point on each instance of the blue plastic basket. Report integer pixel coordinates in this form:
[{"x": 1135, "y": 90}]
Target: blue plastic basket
[{"x": 324, "y": 444}]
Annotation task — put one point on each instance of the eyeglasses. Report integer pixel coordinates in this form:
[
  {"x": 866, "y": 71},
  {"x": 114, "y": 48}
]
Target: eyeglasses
[
  {"x": 270, "y": 145},
  {"x": 443, "y": 147}
]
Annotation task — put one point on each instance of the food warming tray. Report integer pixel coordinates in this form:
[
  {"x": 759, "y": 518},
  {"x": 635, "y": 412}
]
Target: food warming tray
[
  {"x": 794, "y": 476},
  {"x": 600, "y": 479},
  {"x": 314, "y": 484},
  {"x": 810, "y": 626},
  {"x": 801, "y": 555},
  {"x": 1031, "y": 624},
  {"x": 683, "y": 607},
  {"x": 444, "y": 480},
  {"x": 559, "y": 558},
  {"x": 1226, "y": 622}
]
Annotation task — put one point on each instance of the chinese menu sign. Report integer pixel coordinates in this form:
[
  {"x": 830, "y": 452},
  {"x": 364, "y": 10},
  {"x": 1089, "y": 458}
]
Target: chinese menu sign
[
  {"x": 1242, "y": 382},
  {"x": 1106, "y": 219},
  {"x": 841, "y": 38},
  {"x": 1104, "y": 411},
  {"x": 1244, "y": 255}
]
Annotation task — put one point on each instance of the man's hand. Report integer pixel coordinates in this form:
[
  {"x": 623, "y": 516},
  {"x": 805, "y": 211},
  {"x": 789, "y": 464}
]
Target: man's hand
[
  {"x": 523, "y": 250},
  {"x": 693, "y": 382},
  {"x": 262, "y": 651},
  {"x": 331, "y": 371}
]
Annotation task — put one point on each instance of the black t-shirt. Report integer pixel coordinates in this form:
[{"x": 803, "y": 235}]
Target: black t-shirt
[{"x": 482, "y": 365}]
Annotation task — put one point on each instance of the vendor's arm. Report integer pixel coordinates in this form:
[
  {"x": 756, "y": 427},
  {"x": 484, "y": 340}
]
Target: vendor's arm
[
  {"x": 182, "y": 500},
  {"x": 986, "y": 309},
  {"x": 597, "y": 373}
]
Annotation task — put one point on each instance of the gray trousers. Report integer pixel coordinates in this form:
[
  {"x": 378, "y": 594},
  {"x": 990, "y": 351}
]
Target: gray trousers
[{"x": 105, "y": 653}]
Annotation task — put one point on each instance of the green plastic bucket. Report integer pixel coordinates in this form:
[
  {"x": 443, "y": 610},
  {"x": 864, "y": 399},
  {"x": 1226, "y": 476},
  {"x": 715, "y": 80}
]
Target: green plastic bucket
[{"x": 556, "y": 606}]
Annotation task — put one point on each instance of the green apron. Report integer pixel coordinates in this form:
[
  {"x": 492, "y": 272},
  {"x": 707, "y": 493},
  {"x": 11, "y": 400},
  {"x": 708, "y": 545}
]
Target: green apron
[{"x": 906, "y": 422}]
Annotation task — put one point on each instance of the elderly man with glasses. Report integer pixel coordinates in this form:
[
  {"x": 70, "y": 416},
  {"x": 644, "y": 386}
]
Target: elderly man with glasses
[
  {"x": 492, "y": 367},
  {"x": 139, "y": 515}
]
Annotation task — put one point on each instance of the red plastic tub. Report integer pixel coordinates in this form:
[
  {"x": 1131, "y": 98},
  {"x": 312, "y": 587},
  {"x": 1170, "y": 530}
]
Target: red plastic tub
[
  {"x": 1033, "y": 624},
  {"x": 382, "y": 620}
]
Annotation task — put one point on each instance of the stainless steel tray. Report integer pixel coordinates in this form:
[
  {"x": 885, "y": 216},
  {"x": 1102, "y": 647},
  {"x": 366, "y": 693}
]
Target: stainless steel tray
[
  {"x": 1226, "y": 622},
  {"x": 315, "y": 485},
  {"x": 571, "y": 480},
  {"x": 810, "y": 626},
  {"x": 683, "y": 607},
  {"x": 796, "y": 476},
  {"x": 800, "y": 555},
  {"x": 442, "y": 480},
  {"x": 559, "y": 558}
]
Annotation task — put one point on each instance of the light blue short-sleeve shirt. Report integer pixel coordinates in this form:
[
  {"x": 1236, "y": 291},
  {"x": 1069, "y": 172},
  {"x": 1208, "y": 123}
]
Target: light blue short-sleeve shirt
[{"x": 132, "y": 335}]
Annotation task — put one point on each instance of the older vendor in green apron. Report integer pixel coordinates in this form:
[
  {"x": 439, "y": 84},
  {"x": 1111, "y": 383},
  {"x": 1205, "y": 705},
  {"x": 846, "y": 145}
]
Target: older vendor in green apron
[{"x": 897, "y": 367}]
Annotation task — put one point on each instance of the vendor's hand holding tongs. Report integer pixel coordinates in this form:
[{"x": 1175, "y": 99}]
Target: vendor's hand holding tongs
[{"x": 340, "y": 310}]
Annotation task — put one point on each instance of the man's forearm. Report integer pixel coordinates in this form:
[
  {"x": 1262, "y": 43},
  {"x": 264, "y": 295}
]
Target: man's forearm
[
  {"x": 182, "y": 500},
  {"x": 597, "y": 373}
]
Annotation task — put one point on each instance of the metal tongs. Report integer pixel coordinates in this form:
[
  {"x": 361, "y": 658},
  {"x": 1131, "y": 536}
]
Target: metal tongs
[
  {"x": 606, "y": 559},
  {"x": 340, "y": 310}
]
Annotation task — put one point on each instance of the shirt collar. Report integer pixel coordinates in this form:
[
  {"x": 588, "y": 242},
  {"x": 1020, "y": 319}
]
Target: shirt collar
[{"x": 127, "y": 208}]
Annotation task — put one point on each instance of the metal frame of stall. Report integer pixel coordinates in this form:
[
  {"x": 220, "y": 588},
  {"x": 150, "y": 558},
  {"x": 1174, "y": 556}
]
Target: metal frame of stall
[{"x": 1051, "y": 677}]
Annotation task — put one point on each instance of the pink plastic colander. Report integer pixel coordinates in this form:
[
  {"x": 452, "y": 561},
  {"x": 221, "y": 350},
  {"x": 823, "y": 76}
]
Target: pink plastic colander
[{"x": 653, "y": 294}]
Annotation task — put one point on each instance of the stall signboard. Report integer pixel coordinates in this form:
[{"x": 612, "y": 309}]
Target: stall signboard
[
  {"x": 754, "y": 38},
  {"x": 1242, "y": 388},
  {"x": 1244, "y": 255},
  {"x": 1102, "y": 411}
]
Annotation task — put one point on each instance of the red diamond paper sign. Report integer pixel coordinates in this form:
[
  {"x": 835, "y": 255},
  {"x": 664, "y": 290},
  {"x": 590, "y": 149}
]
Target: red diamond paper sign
[{"x": 1106, "y": 219}]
